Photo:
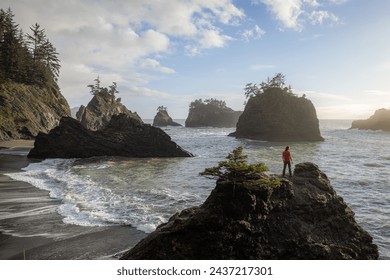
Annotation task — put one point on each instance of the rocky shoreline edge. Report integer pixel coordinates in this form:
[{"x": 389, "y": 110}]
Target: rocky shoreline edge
[{"x": 82, "y": 243}]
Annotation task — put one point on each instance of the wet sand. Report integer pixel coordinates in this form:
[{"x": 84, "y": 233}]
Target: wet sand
[{"x": 30, "y": 227}]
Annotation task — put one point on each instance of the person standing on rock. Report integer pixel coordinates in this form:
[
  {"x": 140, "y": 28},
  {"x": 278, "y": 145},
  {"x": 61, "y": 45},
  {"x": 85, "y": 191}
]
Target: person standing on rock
[{"x": 287, "y": 160}]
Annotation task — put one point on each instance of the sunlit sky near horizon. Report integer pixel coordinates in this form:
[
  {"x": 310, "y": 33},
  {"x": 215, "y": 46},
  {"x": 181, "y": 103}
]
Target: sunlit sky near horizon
[{"x": 171, "y": 52}]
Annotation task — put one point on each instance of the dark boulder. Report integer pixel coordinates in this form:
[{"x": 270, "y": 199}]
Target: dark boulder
[
  {"x": 379, "y": 121},
  {"x": 303, "y": 218},
  {"x": 277, "y": 115},
  {"x": 162, "y": 118},
  {"x": 122, "y": 136}
]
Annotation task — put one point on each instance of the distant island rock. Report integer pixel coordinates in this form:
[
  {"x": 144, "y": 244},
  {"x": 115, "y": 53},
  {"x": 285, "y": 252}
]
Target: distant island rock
[
  {"x": 26, "y": 110},
  {"x": 379, "y": 121},
  {"x": 74, "y": 111},
  {"x": 274, "y": 113},
  {"x": 100, "y": 109},
  {"x": 122, "y": 136},
  {"x": 162, "y": 118},
  {"x": 211, "y": 113},
  {"x": 303, "y": 218}
]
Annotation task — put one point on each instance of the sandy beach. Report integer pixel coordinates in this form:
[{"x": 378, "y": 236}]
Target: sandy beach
[{"x": 30, "y": 227}]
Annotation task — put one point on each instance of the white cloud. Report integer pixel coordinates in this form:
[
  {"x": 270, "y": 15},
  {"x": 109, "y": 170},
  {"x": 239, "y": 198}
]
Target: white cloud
[
  {"x": 312, "y": 3},
  {"x": 212, "y": 38},
  {"x": 338, "y": 2},
  {"x": 294, "y": 14},
  {"x": 287, "y": 12},
  {"x": 154, "y": 65},
  {"x": 255, "y": 33},
  {"x": 318, "y": 17},
  {"x": 116, "y": 39},
  {"x": 145, "y": 91}
]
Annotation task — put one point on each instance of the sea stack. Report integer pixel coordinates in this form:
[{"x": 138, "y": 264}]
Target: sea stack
[
  {"x": 379, "y": 121},
  {"x": 100, "y": 110},
  {"x": 162, "y": 118},
  {"x": 274, "y": 113},
  {"x": 211, "y": 113},
  {"x": 245, "y": 218}
]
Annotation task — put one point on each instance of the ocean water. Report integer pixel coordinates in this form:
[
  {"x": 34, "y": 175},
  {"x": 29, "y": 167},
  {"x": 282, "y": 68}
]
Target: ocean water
[{"x": 143, "y": 193}]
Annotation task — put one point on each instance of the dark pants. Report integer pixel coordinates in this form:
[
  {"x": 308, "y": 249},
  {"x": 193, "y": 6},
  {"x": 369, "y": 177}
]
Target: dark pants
[{"x": 285, "y": 163}]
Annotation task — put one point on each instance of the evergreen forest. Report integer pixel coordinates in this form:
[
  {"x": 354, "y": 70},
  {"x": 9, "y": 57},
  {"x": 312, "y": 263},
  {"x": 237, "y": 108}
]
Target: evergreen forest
[{"x": 28, "y": 58}]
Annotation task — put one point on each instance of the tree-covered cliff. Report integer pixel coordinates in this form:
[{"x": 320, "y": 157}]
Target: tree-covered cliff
[{"x": 30, "y": 99}]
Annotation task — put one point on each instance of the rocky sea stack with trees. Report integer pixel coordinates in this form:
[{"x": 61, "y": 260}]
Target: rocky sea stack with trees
[
  {"x": 162, "y": 118},
  {"x": 30, "y": 99},
  {"x": 274, "y": 113},
  {"x": 379, "y": 121},
  {"x": 103, "y": 105},
  {"x": 211, "y": 113},
  {"x": 254, "y": 215}
]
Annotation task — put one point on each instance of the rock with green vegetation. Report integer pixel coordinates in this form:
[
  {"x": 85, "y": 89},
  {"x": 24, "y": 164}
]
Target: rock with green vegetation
[
  {"x": 162, "y": 118},
  {"x": 274, "y": 113},
  {"x": 30, "y": 99},
  {"x": 379, "y": 121},
  {"x": 211, "y": 113},
  {"x": 122, "y": 136},
  {"x": 100, "y": 110},
  {"x": 26, "y": 110},
  {"x": 253, "y": 215}
]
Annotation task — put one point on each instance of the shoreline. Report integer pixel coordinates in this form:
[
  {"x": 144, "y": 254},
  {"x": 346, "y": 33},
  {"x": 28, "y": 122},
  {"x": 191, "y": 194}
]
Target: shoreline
[{"x": 31, "y": 228}]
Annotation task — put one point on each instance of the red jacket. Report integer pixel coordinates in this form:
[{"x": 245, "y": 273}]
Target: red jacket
[{"x": 286, "y": 155}]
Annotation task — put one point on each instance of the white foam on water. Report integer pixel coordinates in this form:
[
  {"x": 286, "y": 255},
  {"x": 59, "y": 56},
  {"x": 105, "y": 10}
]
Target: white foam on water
[{"x": 89, "y": 200}]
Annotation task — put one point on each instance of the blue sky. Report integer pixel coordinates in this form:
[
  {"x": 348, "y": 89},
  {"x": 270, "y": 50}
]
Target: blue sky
[{"x": 171, "y": 52}]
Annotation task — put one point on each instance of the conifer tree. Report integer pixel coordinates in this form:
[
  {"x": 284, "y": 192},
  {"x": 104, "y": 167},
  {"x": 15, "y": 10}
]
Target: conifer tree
[
  {"x": 45, "y": 58},
  {"x": 9, "y": 46},
  {"x": 30, "y": 59}
]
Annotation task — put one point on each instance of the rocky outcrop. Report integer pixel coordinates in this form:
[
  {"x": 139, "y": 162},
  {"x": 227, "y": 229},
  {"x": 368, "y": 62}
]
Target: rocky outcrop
[
  {"x": 301, "y": 218},
  {"x": 212, "y": 113},
  {"x": 26, "y": 110},
  {"x": 379, "y": 121},
  {"x": 122, "y": 136},
  {"x": 277, "y": 115},
  {"x": 78, "y": 112},
  {"x": 162, "y": 118},
  {"x": 100, "y": 109}
]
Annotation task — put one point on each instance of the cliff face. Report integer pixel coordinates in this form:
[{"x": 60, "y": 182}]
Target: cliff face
[
  {"x": 162, "y": 118},
  {"x": 100, "y": 109},
  {"x": 278, "y": 116},
  {"x": 26, "y": 110},
  {"x": 122, "y": 136},
  {"x": 303, "y": 218},
  {"x": 211, "y": 115},
  {"x": 379, "y": 121}
]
